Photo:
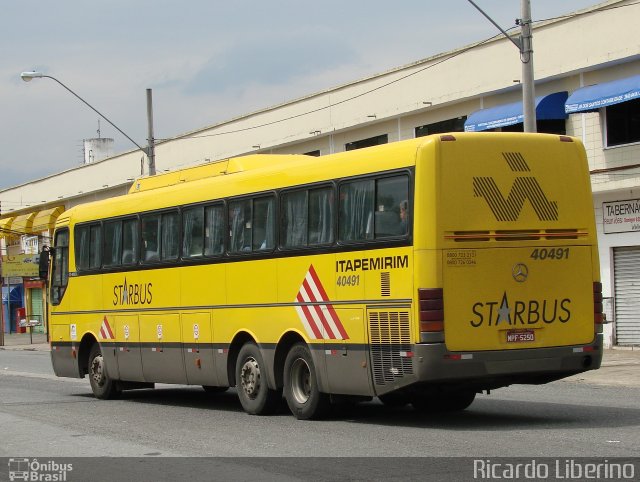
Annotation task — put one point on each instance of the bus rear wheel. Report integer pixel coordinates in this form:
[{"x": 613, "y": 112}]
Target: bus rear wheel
[
  {"x": 301, "y": 389},
  {"x": 251, "y": 381},
  {"x": 102, "y": 385}
]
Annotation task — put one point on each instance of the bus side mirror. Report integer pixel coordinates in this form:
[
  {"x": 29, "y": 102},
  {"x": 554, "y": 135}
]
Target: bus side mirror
[{"x": 43, "y": 262}]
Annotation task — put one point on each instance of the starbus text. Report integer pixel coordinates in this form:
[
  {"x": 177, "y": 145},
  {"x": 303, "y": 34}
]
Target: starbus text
[
  {"x": 132, "y": 294},
  {"x": 492, "y": 313}
]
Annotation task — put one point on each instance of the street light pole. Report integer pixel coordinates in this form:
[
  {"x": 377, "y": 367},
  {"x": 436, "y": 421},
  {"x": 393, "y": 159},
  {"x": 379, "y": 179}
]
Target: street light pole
[
  {"x": 28, "y": 76},
  {"x": 525, "y": 46}
]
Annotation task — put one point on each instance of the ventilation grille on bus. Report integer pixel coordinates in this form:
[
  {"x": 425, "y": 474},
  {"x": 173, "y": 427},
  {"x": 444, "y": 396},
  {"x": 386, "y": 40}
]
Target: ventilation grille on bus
[
  {"x": 391, "y": 356},
  {"x": 385, "y": 283},
  {"x": 516, "y": 235}
]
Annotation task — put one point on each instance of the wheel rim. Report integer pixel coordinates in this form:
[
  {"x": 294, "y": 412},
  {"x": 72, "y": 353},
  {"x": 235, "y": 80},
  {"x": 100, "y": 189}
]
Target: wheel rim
[
  {"x": 97, "y": 370},
  {"x": 300, "y": 381},
  {"x": 250, "y": 377}
]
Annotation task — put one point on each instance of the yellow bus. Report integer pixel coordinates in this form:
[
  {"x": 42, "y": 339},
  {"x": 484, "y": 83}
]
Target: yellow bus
[{"x": 423, "y": 272}]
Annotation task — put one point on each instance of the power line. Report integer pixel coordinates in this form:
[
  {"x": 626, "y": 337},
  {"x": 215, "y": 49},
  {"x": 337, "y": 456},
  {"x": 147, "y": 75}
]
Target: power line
[
  {"x": 579, "y": 14},
  {"x": 362, "y": 94}
]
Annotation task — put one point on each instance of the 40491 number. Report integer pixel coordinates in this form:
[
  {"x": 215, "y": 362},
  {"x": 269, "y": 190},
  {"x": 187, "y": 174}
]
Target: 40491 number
[
  {"x": 353, "y": 280},
  {"x": 550, "y": 253}
]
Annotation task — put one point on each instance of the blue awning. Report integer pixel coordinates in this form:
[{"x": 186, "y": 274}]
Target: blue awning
[
  {"x": 547, "y": 107},
  {"x": 602, "y": 95}
]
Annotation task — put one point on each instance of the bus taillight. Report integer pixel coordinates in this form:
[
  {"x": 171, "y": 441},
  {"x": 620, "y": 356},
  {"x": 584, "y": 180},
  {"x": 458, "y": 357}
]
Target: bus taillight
[
  {"x": 431, "y": 309},
  {"x": 598, "y": 312}
]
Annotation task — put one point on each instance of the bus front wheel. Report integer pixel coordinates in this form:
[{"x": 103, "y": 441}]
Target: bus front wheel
[
  {"x": 301, "y": 388},
  {"x": 102, "y": 385},
  {"x": 251, "y": 381}
]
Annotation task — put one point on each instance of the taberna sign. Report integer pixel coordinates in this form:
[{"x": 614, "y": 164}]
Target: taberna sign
[{"x": 621, "y": 216}]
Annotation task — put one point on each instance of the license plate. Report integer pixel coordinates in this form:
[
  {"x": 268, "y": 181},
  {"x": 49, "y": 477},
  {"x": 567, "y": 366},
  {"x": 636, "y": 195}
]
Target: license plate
[{"x": 520, "y": 336}]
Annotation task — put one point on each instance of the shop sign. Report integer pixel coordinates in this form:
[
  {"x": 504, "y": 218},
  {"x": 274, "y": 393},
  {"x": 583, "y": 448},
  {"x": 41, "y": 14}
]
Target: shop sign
[
  {"x": 20, "y": 265},
  {"x": 621, "y": 216},
  {"x": 30, "y": 284}
]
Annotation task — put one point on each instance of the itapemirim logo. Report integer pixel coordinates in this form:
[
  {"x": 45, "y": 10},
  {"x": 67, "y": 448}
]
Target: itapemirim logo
[
  {"x": 34, "y": 470},
  {"x": 524, "y": 188}
]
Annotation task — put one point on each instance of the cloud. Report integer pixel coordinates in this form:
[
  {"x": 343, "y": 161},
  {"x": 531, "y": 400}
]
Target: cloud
[{"x": 284, "y": 58}]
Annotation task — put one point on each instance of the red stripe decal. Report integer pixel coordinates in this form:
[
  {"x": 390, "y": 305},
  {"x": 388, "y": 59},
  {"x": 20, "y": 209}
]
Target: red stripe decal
[
  {"x": 332, "y": 311},
  {"x": 310, "y": 320}
]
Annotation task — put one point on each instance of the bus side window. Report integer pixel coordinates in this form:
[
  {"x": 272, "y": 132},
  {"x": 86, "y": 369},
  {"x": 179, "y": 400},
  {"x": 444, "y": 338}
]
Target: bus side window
[
  {"x": 263, "y": 224},
  {"x": 321, "y": 215},
  {"x": 130, "y": 241},
  {"x": 170, "y": 228},
  {"x": 151, "y": 238},
  {"x": 240, "y": 226},
  {"x": 214, "y": 230},
  {"x": 88, "y": 242},
  {"x": 392, "y": 210},
  {"x": 81, "y": 236},
  {"x": 112, "y": 243},
  {"x": 60, "y": 270},
  {"x": 307, "y": 217},
  {"x": 356, "y": 211},
  {"x": 192, "y": 232},
  {"x": 294, "y": 219}
]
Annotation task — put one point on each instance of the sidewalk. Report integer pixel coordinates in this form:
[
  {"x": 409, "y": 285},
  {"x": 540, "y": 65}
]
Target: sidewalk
[{"x": 22, "y": 341}]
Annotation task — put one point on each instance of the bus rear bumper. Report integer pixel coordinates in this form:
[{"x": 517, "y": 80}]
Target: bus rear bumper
[{"x": 492, "y": 369}]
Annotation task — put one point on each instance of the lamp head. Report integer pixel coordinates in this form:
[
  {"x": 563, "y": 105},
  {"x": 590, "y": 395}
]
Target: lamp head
[{"x": 27, "y": 76}]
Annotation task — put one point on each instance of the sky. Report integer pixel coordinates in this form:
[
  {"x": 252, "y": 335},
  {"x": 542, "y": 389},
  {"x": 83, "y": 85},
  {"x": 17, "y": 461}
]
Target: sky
[{"x": 206, "y": 60}]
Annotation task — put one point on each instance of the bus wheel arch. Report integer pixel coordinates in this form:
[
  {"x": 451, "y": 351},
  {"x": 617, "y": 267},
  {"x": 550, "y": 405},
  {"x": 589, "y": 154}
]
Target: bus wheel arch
[
  {"x": 239, "y": 340},
  {"x": 87, "y": 342}
]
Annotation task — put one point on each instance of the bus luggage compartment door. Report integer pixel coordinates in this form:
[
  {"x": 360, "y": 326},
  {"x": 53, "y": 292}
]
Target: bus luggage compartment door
[
  {"x": 198, "y": 349},
  {"x": 520, "y": 297},
  {"x": 162, "y": 360},
  {"x": 346, "y": 359},
  {"x": 128, "y": 351}
]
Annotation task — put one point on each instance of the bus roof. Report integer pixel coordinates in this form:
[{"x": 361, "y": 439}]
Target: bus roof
[{"x": 248, "y": 174}]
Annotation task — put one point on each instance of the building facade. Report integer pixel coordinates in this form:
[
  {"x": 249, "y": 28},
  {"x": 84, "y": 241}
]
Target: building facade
[{"x": 587, "y": 71}]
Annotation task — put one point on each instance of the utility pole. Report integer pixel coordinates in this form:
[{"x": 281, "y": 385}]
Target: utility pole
[
  {"x": 526, "y": 57},
  {"x": 151, "y": 149},
  {"x": 525, "y": 45}
]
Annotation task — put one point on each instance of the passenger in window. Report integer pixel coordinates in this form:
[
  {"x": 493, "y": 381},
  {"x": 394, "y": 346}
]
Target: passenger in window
[{"x": 404, "y": 216}]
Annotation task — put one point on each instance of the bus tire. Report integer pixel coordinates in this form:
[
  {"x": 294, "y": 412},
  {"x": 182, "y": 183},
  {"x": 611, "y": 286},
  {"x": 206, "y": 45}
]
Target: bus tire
[
  {"x": 102, "y": 385},
  {"x": 301, "y": 389},
  {"x": 251, "y": 382}
]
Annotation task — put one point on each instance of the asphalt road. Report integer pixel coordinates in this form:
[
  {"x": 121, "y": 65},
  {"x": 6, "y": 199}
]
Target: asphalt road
[{"x": 45, "y": 416}]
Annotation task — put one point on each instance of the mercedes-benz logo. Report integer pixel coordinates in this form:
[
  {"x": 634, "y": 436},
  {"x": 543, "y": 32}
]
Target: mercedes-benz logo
[{"x": 520, "y": 272}]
